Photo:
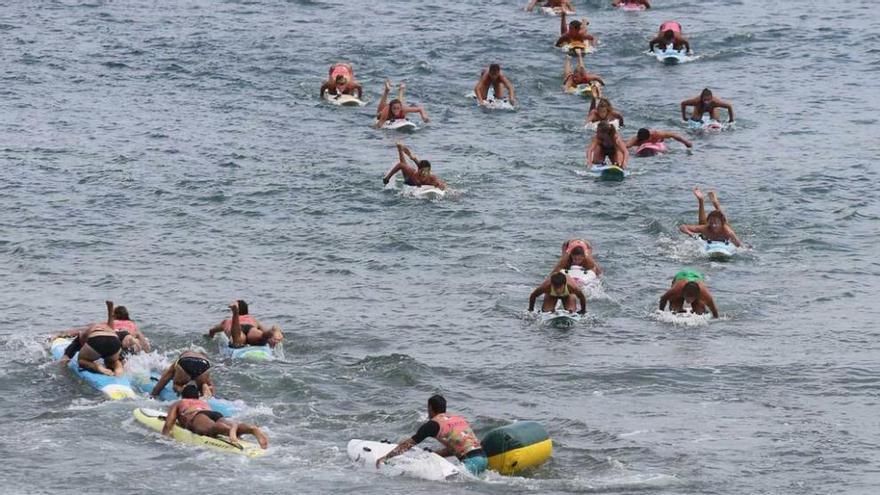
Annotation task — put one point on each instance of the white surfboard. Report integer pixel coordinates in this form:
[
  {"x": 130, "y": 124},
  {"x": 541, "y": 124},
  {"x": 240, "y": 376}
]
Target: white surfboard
[
  {"x": 424, "y": 192},
  {"x": 416, "y": 463},
  {"x": 670, "y": 56},
  {"x": 706, "y": 124},
  {"x": 490, "y": 103},
  {"x": 555, "y": 11},
  {"x": 404, "y": 125},
  {"x": 718, "y": 250},
  {"x": 582, "y": 277},
  {"x": 343, "y": 100}
]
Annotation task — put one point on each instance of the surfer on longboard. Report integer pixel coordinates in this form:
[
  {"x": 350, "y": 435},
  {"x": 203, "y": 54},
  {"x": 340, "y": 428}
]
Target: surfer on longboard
[
  {"x": 577, "y": 252},
  {"x": 395, "y": 109},
  {"x": 130, "y": 336},
  {"x": 689, "y": 286},
  {"x": 558, "y": 288},
  {"x": 452, "y": 431},
  {"x": 669, "y": 34},
  {"x": 190, "y": 367},
  {"x": 412, "y": 176},
  {"x": 196, "y": 415},
  {"x": 243, "y": 329},
  {"x": 711, "y": 227},
  {"x": 495, "y": 79},
  {"x": 607, "y": 143},
  {"x": 575, "y": 35},
  {"x": 603, "y": 111},
  {"x": 572, "y": 78},
  {"x": 645, "y": 135},
  {"x": 341, "y": 81},
  {"x": 705, "y": 103}
]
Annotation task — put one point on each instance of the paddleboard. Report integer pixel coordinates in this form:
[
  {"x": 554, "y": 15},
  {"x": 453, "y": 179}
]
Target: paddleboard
[
  {"x": 608, "y": 172},
  {"x": 650, "y": 149},
  {"x": 404, "y": 125},
  {"x": 248, "y": 352},
  {"x": 592, "y": 126},
  {"x": 344, "y": 100},
  {"x": 113, "y": 387},
  {"x": 631, "y": 7},
  {"x": 424, "y": 192},
  {"x": 580, "y": 276},
  {"x": 684, "y": 319},
  {"x": 670, "y": 56},
  {"x": 718, "y": 250},
  {"x": 706, "y": 124},
  {"x": 559, "y": 318},
  {"x": 155, "y": 420},
  {"x": 556, "y": 11},
  {"x": 491, "y": 103},
  {"x": 416, "y": 462},
  {"x": 573, "y": 48},
  {"x": 585, "y": 90}
]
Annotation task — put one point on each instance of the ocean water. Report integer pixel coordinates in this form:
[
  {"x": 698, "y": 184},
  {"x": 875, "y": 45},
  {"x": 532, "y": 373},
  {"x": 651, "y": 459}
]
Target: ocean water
[{"x": 173, "y": 156}]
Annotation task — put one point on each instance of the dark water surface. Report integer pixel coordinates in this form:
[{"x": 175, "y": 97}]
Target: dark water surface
[{"x": 173, "y": 156}]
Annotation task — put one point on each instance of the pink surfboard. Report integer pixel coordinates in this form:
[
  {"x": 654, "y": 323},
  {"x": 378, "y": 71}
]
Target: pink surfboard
[{"x": 650, "y": 149}]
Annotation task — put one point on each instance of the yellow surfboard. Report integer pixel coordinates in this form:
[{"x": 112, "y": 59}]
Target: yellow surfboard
[{"x": 155, "y": 420}]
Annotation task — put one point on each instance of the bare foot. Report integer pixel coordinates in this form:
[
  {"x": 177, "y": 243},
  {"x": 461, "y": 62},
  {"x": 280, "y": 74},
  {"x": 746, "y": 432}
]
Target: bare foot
[
  {"x": 698, "y": 194},
  {"x": 262, "y": 438},
  {"x": 233, "y": 435},
  {"x": 714, "y": 199}
]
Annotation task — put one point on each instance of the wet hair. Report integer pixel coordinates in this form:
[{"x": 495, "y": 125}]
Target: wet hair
[
  {"x": 242, "y": 307},
  {"x": 706, "y": 92},
  {"x": 717, "y": 214},
  {"x": 423, "y": 164},
  {"x": 668, "y": 34},
  {"x": 643, "y": 134},
  {"x": 340, "y": 79},
  {"x": 120, "y": 313},
  {"x": 691, "y": 289},
  {"x": 605, "y": 102},
  {"x": 576, "y": 25},
  {"x": 578, "y": 251},
  {"x": 494, "y": 69},
  {"x": 190, "y": 392},
  {"x": 437, "y": 403},
  {"x": 607, "y": 128},
  {"x": 558, "y": 279}
]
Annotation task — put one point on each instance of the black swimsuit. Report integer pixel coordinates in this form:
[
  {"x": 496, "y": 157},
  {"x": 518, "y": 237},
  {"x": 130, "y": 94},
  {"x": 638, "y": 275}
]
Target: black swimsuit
[
  {"x": 105, "y": 345},
  {"x": 194, "y": 366}
]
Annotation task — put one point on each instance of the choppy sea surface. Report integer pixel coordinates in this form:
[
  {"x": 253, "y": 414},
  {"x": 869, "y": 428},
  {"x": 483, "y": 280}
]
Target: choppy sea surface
[{"x": 173, "y": 156}]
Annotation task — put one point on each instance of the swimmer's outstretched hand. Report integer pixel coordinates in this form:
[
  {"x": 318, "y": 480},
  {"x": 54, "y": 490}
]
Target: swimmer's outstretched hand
[{"x": 698, "y": 193}]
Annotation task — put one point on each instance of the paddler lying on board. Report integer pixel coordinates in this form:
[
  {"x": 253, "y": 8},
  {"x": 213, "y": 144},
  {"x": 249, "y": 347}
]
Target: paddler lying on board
[
  {"x": 577, "y": 252},
  {"x": 632, "y": 3},
  {"x": 341, "y": 81},
  {"x": 196, "y": 415},
  {"x": 669, "y": 34},
  {"x": 132, "y": 339},
  {"x": 576, "y": 36},
  {"x": 100, "y": 341},
  {"x": 711, "y": 227},
  {"x": 395, "y": 109},
  {"x": 452, "y": 431},
  {"x": 689, "y": 286},
  {"x": 607, "y": 143},
  {"x": 191, "y": 366},
  {"x": 495, "y": 79},
  {"x": 411, "y": 176},
  {"x": 243, "y": 329},
  {"x": 645, "y": 135},
  {"x": 558, "y": 5},
  {"x": 603, "y": 111},
  {"x": 572, "y": 78},
  {"x": 705, "y": 103},
  {"x": 558, "y": 287}
]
